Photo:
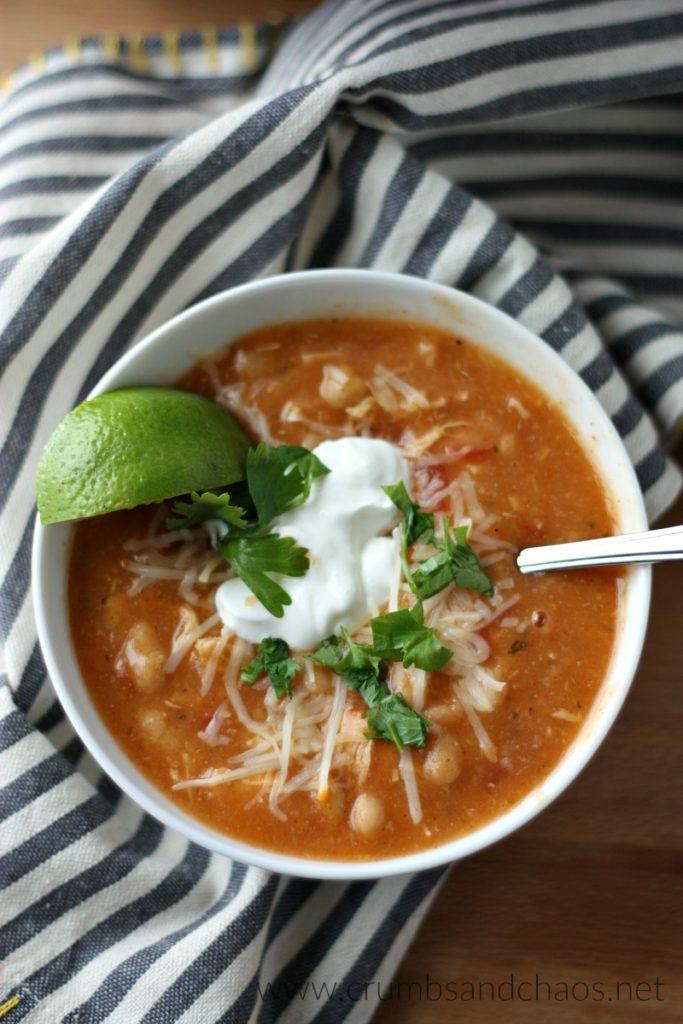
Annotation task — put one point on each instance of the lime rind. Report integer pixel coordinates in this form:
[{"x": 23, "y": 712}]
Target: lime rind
[{"x": 137, "y": 446}]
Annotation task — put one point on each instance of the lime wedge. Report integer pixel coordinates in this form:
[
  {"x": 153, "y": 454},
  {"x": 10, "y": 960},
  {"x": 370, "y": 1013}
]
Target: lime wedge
[{"x": 136, "y": 446}]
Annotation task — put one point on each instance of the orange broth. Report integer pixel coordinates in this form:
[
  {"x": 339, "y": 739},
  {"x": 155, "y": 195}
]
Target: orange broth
[{"x": 551, "y": 648}]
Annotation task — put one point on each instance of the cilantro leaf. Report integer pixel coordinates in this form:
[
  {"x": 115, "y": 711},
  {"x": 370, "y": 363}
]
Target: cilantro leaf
[
  {"x": 467, "y": 570},
  {"x": 417, "y": 524},
  {"x": 454, "y": 562},
  {"x": 207, "y": 505},
  {"x": 361, "y": 669},
  {"x": 280, "y": 478},
  {"x": 329, "y": 653},
  {"x": 393, "y": 719},
  {"x": 274, "y": 661},
  {"x": 239, "y": 492},
  {"x": 402, "y": 636},
  {"x": 389, "y": 716},
  {"x": 252, "y": 556},
  {"x": 359, "y": 666},
  {"x": 432, "y": 575}
]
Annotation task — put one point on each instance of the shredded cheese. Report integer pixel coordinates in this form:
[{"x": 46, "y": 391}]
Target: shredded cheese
[
  {"x": 231, "y": 397},
  {"x": 406, "y": 770},
  {"x": 208, "y": 673},
  {"x": 566, "y": 716},
  {"x": 514, "y": 403},
  {"x": 303, "y": 744},
  {"x": 212, "y": 735},
  {"x": 285, "y": 755},
  {"x": 386, "y": 380},
  {"x": 486, "y": 744},
  {"x": 186, "y": 634},
  {"x": 447, "y": 458},
  {"x": 331, "y": 730},
  {"x": 292, "y": 413}
]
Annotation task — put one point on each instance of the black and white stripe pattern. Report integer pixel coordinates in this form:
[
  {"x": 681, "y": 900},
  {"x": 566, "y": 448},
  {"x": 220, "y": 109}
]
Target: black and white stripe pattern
[{"x": 530, "y": 153}]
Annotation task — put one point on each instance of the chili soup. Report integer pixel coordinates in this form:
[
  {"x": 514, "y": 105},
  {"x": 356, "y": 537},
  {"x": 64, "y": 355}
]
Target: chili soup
[{"x": 484, "y": 449}]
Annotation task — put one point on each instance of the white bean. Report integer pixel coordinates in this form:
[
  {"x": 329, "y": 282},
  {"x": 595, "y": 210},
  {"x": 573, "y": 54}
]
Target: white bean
[
  {"x": 154, "y": 723},
  {"x": 444, "y": 714},
  {"x": 145, "y": 657},
  {"x": 367, "y": 814},
  {"x": 444, "y": 760}
]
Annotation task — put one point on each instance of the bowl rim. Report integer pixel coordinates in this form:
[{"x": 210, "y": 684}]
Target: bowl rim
[{"x": 628, "y": 645}]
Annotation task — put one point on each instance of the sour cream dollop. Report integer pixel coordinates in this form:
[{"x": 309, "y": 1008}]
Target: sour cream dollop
[{"x": 344, "y": 524}]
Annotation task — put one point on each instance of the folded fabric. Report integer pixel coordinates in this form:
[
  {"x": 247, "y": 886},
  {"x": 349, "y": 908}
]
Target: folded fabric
[{"x": 528, "y": 153}]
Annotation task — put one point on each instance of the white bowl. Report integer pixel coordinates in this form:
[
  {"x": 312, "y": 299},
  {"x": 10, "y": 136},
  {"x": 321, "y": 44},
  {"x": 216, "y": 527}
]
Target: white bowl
[{"x": 170, "y": 350}]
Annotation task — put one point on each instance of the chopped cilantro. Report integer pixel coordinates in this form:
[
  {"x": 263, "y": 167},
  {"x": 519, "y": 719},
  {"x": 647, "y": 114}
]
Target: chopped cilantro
[
  {"x": 252, "y": 556},
  {"x": 207, "y": 505},
  {"x": 402, "y": 636},
  {"x": 330, "y": 652},
  {"x": 389, "y": 716},
  {"x": 417, "y": 524},
  {"x": 359, "y": 666},
  {"x": 274, "y": 661},
  {"x": 280, "y": 478},
  {"x": 393, "y": 719},
  {"x": 454, "y": 562},
  {"x": 432, "y": 576},
  {"x": 467, "y": 570},
  {"x": 362, "y": 670}
]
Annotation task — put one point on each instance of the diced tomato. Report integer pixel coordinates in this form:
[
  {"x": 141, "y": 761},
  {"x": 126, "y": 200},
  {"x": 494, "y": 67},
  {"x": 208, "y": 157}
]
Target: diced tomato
[{"x": 479, "y": 454}]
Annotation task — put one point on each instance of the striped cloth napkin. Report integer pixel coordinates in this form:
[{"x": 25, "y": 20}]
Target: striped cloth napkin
[{"x": 530, "y": 153}]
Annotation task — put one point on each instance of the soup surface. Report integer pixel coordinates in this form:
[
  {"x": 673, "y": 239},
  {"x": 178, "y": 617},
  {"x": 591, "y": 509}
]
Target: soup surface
[{"x": 300, "y": 775}]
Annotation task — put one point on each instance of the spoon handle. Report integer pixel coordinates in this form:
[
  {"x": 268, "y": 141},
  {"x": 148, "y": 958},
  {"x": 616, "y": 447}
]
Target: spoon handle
[{"x": 653, "y": 546}]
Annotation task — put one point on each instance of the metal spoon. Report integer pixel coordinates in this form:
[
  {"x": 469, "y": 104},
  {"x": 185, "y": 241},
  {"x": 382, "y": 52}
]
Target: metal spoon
[{"x": 653, "y": 546}]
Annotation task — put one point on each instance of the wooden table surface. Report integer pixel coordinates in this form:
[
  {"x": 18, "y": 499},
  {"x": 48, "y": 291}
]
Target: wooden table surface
[
  {"x": 591, "y": 892},
  {"x": 579, "y": 914}
]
